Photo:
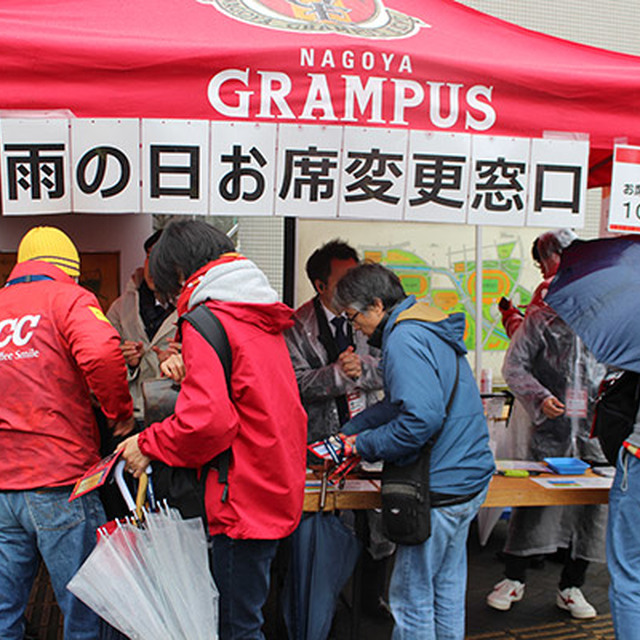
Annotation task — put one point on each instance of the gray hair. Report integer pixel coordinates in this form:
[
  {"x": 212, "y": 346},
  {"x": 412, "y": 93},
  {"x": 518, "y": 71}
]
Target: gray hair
[{"x": 360, "y": 287}]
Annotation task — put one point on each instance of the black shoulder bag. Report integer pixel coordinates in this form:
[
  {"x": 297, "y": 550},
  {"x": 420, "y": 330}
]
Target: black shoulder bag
[
  {"x": 615, "y": 411},
  {"x": 181, "y": 487},
  {"x": 406, "y": 504}
]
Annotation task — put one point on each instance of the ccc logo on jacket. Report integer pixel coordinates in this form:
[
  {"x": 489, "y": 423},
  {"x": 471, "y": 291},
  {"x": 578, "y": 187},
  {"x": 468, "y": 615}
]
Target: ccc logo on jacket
[{"x": 17, "y": 330}]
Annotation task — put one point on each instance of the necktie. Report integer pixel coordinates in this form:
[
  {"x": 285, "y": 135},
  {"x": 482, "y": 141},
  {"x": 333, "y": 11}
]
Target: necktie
[{"x": 342, "y": 342}]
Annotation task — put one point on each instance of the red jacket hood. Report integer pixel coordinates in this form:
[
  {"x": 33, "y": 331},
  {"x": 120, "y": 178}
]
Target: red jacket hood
[{"x": 272, "y": 318}]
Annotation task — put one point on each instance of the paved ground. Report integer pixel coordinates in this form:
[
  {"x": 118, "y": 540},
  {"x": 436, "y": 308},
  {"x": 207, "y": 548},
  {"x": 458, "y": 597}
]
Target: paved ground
[{"x": 537, "y": 609}]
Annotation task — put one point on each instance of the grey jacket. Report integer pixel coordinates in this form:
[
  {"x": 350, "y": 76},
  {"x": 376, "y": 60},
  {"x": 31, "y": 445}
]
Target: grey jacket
[
  {"x": 320, "y": 379},
  {"x": 546, "y": 358}
]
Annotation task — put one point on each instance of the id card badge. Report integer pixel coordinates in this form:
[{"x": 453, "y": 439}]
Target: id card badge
[
  {"x": 576, "y": 403},
  {"x": 355, "y": 402}
]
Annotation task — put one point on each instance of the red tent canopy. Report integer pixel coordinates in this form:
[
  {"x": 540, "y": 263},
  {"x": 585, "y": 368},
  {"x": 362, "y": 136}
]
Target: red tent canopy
[{"x": 419, "y": 64}]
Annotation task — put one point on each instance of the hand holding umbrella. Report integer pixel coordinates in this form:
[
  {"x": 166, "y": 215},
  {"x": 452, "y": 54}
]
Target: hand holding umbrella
[{"x": 136, "y": 461}]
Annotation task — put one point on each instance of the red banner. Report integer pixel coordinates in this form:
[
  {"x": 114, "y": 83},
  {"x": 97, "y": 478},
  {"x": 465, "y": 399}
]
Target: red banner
[{"x": 410, "y": 64}]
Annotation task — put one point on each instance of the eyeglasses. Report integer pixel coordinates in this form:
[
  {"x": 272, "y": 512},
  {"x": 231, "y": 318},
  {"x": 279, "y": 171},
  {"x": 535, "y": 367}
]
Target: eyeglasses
[{"x": 352, "y": 319}]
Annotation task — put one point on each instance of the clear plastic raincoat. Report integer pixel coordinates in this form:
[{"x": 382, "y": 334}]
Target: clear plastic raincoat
[{"x": 545, "y": 359}]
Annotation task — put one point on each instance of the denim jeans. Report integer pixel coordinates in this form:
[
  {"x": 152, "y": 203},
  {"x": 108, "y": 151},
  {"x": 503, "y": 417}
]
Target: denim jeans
[
  {"x": 623, "y": 547},
  {"x": 241, "y": 572},
  {"x": 45, "y": 522},
  {"x": 429, "y": 580}
]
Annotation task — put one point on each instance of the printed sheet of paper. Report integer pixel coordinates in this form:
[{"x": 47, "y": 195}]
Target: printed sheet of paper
[
  {"x": 362, "y": 485},
  {"x": 574, "y": 482},
  {"x": 315, "y": 485}
]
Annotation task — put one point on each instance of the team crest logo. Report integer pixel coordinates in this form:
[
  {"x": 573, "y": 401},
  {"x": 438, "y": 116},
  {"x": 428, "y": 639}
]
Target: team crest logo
[{"x": 358, "y": 18}]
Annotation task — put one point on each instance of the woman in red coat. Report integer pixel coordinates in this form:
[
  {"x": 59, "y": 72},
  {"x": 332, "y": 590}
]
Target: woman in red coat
[{"x": 261, "y": 418}]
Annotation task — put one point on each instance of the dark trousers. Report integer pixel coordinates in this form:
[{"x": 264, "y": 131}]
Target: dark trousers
[
  {"x": 240, "y": 570},
  {"x": 573, "y": 572}
]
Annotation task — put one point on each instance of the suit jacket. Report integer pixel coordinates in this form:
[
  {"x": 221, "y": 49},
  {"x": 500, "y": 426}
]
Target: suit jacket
[{"x": 320, "y": 379}]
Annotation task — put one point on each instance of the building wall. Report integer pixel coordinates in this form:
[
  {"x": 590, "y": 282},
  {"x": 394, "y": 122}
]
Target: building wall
[
  {"x": 609, "y": 24},
  {"x": 123, "y": 234}
]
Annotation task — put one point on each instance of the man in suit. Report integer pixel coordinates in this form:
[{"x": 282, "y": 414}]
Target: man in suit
[
  {"x": 338, "y": 376},
  {"x": 337, "y": 371}
]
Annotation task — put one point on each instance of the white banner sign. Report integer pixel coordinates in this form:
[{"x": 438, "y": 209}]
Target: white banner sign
[
  {"x": 243, "y": 168},
  {"x": 175, "y": 166},
  {"x": 308, "y": 171},
  {"x": 239, "y": 168},
  {"x": 499, "y": 179},
  {"x": 374, "y": 171},
  {"x": 558, "y": 183},
  {"x": 105, "y": 160},
  {"x": 35, "y": 166},
  {"x": 438, "y": 178}
]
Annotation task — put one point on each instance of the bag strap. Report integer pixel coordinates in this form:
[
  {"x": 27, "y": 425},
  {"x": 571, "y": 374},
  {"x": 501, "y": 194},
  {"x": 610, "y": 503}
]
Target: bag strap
[
  {"x": 432, "y": 440},
  {"x": 30, "y": 278},
  {"x": 425, "y": 313},
  {"x": 455, "y": 388},
  {"x": 207, "y": 324}
]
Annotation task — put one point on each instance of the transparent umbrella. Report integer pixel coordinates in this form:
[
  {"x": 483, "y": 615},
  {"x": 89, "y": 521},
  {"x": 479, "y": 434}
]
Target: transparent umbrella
[{"x": 152, "y": 580}]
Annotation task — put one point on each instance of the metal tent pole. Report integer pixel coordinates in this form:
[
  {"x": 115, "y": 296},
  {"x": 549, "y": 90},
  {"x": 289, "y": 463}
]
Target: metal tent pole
[{"x": 478, "y": 332}]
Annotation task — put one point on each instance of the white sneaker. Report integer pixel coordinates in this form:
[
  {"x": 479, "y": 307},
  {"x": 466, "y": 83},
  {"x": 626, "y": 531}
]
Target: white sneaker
[
  {"x": 572, "y": 600},
  {"x": 505, "y": 593}
]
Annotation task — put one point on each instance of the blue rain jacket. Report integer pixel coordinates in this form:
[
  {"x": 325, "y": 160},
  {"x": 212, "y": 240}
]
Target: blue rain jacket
[{"x": 420, "y": 345}]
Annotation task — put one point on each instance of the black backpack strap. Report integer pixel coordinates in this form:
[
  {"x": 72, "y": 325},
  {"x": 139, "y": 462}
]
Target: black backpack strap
[{"x": 207, "y": 324}]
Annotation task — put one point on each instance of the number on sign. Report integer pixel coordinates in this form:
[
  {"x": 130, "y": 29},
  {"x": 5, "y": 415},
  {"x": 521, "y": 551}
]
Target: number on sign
[{"x": 627, "y": 207}]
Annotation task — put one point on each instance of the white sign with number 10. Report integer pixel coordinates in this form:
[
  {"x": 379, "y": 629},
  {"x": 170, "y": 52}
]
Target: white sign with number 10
[{"x": 624, "y": 207}]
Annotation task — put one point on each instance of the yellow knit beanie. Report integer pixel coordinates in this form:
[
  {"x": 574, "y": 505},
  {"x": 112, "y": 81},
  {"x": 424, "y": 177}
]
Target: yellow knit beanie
[{"x": 50, "y": 245}]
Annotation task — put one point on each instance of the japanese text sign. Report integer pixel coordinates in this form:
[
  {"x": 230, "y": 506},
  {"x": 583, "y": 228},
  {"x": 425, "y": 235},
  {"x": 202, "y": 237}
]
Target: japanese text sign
[{"x": 199, "y": 167}]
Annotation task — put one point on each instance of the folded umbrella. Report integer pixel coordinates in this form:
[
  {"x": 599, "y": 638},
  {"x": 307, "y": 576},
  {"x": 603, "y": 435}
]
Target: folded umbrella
[
  {"x": 596, "y": 291},
  {"x": 323, "y": 555},
  {"x": 151, "y": 580}
]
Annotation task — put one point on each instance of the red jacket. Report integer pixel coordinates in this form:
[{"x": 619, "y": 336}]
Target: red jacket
[
  {"x": 512, "y": 317},
  {"x": 55, "y": 345},
  {"x": 263, "y": 422}
]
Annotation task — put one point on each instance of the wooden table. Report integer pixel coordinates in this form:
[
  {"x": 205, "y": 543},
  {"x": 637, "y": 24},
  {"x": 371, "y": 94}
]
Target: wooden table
[
  {"x": 524, "y": 492},
  {"x": 503, "y": 492}
]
